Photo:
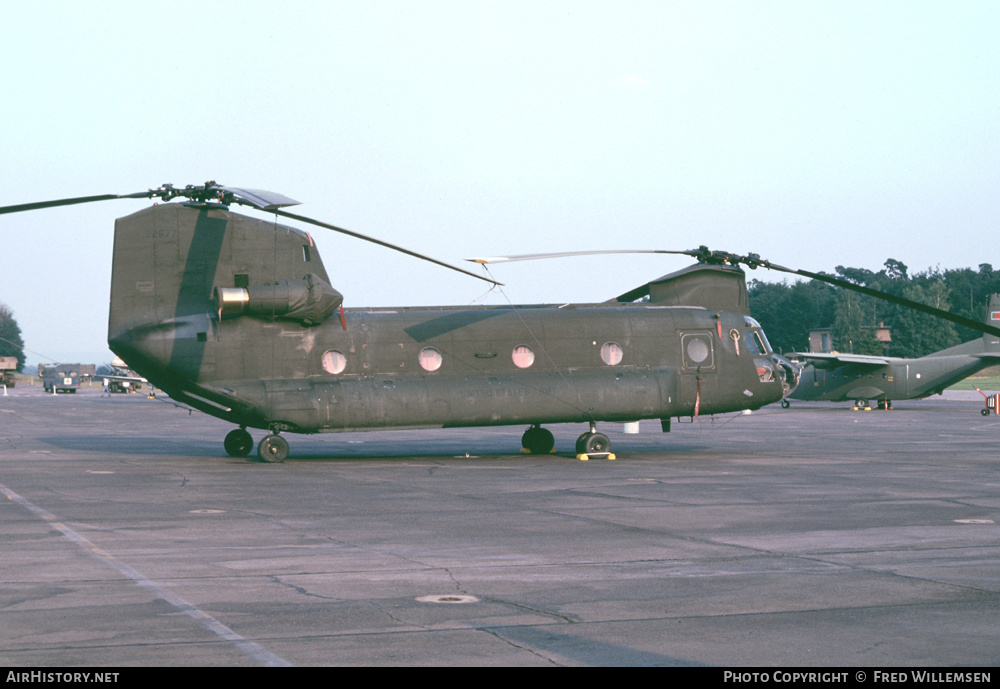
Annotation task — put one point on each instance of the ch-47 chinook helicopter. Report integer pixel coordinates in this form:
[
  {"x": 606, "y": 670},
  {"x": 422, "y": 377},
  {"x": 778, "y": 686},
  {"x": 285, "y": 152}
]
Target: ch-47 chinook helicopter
[{"x": 236, "y": 317}]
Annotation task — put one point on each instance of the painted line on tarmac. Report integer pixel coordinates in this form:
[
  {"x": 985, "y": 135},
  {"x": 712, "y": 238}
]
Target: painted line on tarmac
[{"x": 252, "y": 649}]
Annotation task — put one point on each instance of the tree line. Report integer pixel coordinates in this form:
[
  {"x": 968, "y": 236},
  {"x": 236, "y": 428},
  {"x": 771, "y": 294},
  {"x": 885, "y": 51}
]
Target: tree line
[
  {"x": 788, "y": 311},
  {"x": 11, "y": 343}
]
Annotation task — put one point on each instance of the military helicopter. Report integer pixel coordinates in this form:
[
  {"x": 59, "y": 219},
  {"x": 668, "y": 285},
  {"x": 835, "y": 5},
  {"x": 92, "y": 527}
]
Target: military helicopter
[
  {"x": 862, "y": 379},
  {"x": 236, "y": 317}
]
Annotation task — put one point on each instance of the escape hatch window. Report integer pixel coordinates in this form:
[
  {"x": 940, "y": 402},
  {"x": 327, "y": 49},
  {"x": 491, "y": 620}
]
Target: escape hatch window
[
  {"x": 611, "y": 353},
  {"x": 430, "y": 359},
  {"x": 697, "y": 350},
  {"x": 334, "y": 362},
  {"x": 523, "y": 356}
]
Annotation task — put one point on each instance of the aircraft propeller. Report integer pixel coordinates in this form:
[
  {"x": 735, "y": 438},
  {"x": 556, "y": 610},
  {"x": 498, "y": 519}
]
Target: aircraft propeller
[{"x": 210, "y": 192}]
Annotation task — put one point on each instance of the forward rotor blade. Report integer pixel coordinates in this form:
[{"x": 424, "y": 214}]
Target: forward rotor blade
[
  {"x": 978, "y": 326},
  {"x": 531, "y": 257},
  {"x": 358, "y": 235},
  {"x": 70, "y": 202}
]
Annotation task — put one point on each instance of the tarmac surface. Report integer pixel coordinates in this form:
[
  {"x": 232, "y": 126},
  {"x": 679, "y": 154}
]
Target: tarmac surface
[{"x": 813, "y": 536}]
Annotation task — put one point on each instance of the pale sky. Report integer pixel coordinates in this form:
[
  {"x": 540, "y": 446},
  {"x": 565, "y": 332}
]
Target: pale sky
[{"x": 815, "y": 134}]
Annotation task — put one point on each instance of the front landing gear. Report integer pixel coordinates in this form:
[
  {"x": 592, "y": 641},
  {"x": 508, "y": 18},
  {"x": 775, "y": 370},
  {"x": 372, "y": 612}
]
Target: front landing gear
[
  {"x": 273, "y": 448},
  {"x": 593, "y": 444},
  {"x": 537, "y": 441},
  {"x": 238, "y": 443}
]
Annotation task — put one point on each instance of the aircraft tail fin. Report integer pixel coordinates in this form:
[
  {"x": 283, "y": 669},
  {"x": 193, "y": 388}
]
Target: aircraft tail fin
[{"x": 992, "y": 342}]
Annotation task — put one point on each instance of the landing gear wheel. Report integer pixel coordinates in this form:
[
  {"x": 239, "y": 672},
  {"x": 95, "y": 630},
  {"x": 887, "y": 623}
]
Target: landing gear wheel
[
  {"x": 238, "y": 443},
  {"x": 785, "y": 404},
  {"x": 538, "y": 440},
  {"x": 984, "y": 412},
  {"x": 593, "y": 443},
  {"x": 272, "y": 448}
]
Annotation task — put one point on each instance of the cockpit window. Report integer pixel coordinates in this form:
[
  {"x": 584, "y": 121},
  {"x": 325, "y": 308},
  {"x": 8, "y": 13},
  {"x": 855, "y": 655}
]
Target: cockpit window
[
  {"x": 761, "y": 341},
  {"x": 757, "y": 338}
]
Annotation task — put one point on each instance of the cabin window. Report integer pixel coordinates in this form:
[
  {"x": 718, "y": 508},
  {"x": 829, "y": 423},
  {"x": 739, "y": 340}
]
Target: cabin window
[
  {"x": 523, "y": 356},
  {"x": 430, "y": 359},
  {"x": 334, "y": 362},
  {"x": 611, "y": 353}
]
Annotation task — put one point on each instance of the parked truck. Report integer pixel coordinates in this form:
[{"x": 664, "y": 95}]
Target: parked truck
[
  {"x": 8, "y": 366},
  {"x": 60, "y": 377}
]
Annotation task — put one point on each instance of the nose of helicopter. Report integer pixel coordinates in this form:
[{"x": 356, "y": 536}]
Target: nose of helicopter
[{"x": 790, "y": 373}]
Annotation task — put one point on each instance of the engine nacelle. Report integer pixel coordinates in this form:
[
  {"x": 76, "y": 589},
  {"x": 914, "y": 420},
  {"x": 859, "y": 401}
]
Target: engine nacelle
[{"x": 309, "y": 300}]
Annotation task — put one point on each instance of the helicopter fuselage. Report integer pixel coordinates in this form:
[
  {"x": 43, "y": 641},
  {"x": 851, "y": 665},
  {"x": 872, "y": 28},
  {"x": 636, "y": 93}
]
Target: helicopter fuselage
[{"x": 361, "y": 369}]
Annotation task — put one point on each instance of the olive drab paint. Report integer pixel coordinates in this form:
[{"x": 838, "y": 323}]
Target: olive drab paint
[{"x": 268, "y": 367}]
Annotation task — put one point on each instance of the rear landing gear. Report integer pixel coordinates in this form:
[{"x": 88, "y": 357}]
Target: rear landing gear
[
  {"x": 537, "y": 440},
  {"x": 272, "y": 448},
  {"x": 238, "y": 443}
]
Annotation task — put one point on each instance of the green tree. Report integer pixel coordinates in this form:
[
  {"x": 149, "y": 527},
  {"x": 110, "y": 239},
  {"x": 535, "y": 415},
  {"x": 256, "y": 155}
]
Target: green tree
[
  {"x": 11, "y": 343},
  {"x": 853, "y": 318},
  {"x": 895, "y": 270},
  {"x": 918, "y": 334},
  {"x": 789, "y": 312}
]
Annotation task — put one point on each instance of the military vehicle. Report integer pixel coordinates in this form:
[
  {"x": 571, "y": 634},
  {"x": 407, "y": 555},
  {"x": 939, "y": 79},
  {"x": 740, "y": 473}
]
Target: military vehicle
[
  {"x": 863, "y": 379},
  {"x": 8, "y": 366},
  {"x": 237, "y": 317},
  {"x": 60, "y": 377}
]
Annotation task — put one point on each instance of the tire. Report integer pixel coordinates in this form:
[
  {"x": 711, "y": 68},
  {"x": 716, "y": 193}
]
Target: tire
[
  {"x": 595, "y": 444},
  {"x": 238, "y": 443},
  {"x": 538, "y": 441},
  {"x": 273, "y": 449}
]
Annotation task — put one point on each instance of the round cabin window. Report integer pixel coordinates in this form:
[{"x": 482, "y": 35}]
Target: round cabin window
[
  {"x": 334, "y": 362},
  {"x": 523, "y": 356},
  {"x": 611, "y": 354},
  {"x": 430, "y": 359}
]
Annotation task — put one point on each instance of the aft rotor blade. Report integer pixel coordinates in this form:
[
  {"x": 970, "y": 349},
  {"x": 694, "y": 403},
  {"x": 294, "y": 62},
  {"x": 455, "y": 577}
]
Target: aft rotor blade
[
  {"x": 70, "y": 202},
  {"x": 258, "y": 198},
  {"x": 358, "y": 235},
  {"x": 978, "y": 326},
  {"x": 531, "y": 257}
]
